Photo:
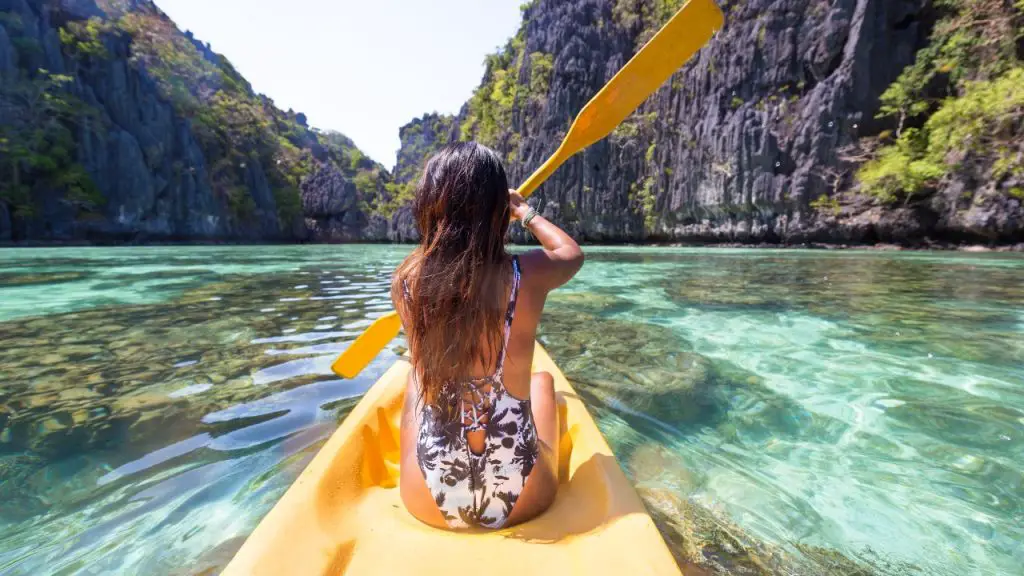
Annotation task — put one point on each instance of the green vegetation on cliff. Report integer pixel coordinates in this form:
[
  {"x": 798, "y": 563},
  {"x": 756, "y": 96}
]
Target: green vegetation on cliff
[
  {"x": 37, "y": 145},
  {"x": 490, "y": 106},
  {"x": 85, "y": 39},
  {"x": 420, "y": 139},
  {"x": 644, "y": 17},
  {"x": 961, "y": 104},
  {"x": 756, "y": 129},
  {"x": 513, "y": 81},
  {"x": 516, "y": 80},
  {"x": 234, "y": 125},
  {"x": 51, "y": 124},
  {"x": 517, "y": 84}
]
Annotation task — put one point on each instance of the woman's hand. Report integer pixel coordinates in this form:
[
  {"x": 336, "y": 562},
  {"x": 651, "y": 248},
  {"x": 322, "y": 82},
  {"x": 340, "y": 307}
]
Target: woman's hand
[{"x": 518, "y": 205}]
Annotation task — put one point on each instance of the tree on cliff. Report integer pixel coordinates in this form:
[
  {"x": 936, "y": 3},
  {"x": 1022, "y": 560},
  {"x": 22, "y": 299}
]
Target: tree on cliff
[
  {"x": 36, "y": 142},
  {"x": 959, "y": 106}
]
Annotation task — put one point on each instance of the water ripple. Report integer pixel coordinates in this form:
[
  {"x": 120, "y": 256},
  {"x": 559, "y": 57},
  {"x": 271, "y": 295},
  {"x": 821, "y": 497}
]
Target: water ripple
[{"x": 784, "y": 411}]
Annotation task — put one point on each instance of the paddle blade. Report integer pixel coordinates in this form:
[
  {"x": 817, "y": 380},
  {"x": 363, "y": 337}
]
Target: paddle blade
[
  {"x": 367, "y": 346},
  {"x": 677, "y": 41}
]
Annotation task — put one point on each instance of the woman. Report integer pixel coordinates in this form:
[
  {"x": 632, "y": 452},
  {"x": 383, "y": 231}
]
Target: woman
[{"x": 479, "y": 431}]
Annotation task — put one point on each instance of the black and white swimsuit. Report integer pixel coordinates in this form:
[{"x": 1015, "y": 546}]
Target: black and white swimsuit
[{"x": 470, "y": 489}]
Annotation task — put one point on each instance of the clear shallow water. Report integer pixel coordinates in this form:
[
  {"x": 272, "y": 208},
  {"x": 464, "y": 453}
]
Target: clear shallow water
[{"x": 779, "y": 411}]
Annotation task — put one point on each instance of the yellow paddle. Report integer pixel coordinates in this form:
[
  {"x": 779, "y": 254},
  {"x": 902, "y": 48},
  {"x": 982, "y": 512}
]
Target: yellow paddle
[{"x": 679, "y": 39}]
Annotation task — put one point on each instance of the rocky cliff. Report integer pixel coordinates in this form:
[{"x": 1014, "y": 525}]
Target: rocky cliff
[
  {"x": 767, "y": 134},
  {"x": 836, "y": 121},
  {"x": 116, "y": 126}
]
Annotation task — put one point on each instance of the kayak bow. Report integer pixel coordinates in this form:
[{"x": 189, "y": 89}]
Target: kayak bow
[{"x": 344, "y": 514}]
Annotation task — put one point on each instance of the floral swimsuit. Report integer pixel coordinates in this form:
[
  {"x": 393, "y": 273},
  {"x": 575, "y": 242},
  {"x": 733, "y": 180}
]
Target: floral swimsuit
[{"x": 470, "y": 489}]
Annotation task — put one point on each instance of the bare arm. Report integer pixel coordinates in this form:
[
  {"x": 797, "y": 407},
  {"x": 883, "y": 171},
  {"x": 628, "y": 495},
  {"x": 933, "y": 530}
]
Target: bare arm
[{"x": 559, "y": 259}]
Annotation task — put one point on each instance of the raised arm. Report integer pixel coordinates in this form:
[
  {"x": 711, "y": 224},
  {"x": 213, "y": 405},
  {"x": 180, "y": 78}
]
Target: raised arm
[{"x": 559, "y": 259}]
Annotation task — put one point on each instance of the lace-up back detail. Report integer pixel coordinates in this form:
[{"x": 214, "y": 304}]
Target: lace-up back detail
[{"x": 479, "y": 489}]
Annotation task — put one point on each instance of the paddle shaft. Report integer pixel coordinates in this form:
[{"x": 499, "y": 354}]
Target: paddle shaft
[
  {"x": 675, "y": 43},
  {"x": 540, "y": 175}
]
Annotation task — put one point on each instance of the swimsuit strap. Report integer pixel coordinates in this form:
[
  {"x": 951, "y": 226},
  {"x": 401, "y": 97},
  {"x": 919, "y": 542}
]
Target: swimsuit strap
[{"x": 509, "y": 315}]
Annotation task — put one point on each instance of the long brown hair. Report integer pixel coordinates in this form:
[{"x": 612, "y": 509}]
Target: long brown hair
[{"x": 446, "y": 291}]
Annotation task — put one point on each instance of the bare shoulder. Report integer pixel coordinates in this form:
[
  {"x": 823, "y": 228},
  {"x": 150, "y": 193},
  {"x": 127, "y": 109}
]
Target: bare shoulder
[{"x": 545, "y": 270}]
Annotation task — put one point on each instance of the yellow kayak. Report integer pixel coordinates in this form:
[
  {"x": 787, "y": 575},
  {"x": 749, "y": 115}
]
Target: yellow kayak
[{"x": 344, "y": 514}]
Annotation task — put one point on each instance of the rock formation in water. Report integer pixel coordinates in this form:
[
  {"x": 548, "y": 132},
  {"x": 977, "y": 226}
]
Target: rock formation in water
[
  {"x": 763, "y": 137},
  {"x": 116, "y": 126},
  {"x": 842, "y": 121}
]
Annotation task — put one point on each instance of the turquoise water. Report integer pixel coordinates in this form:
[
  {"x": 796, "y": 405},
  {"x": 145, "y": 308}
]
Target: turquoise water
[{"x": 779, "y": 411}]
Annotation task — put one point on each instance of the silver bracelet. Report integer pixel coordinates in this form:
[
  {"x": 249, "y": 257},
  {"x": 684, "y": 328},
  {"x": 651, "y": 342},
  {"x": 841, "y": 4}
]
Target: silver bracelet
[{"x": 531, "y": 213}]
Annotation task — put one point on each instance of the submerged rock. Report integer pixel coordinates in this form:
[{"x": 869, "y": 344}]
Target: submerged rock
[
  {"x": 644, "y": 367},
  {"x": 16, "y": 503},
  {"x": 704, "y": 541},
  {"x": 700, "y": 539},
  {"x": 109, "y": 378}
]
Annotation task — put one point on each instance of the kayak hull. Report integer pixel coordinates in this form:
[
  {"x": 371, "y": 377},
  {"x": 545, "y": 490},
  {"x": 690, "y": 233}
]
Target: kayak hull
[{"x": 344, "y": 514}]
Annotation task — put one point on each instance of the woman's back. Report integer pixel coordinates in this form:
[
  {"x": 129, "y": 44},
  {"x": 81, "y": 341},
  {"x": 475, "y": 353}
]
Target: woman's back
[
  {"x": 477, "y": 465},
  {"x": 478, "y": 426}
]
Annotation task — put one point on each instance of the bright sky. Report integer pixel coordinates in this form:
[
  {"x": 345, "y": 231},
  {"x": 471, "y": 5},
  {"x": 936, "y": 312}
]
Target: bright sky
[{"x": 361, "y": 67}]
